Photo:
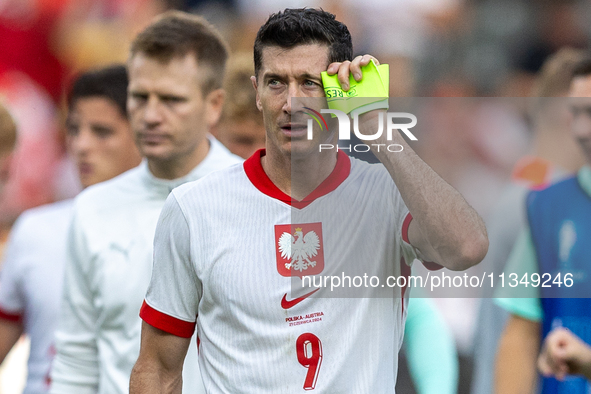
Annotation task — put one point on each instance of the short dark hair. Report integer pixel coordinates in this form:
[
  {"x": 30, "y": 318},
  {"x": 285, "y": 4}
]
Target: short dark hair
[
  {"x": 175, "y": 34},
  {"x": 109, "y": 82},
  {"x": 302, "y": 26}
]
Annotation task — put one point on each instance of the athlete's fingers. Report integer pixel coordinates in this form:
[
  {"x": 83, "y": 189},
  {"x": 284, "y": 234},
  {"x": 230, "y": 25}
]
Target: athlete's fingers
[
  {"x": 358, "y": 62},
  {"x": 547, "y": 364},
  {"x": 333, "y": 68},
  {"x": 543, "y": 364},
  {"x": 562, "y": 369},
  {"x": 343, "y": 74},
  {"x": 554, "y": 358},
  {"x": 346, "y": 68},
  {"x": 356, "y": 65}
]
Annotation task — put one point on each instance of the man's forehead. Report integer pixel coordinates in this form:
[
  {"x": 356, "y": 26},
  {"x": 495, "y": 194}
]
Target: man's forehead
[
  {"x": 179, "y": 75},
  {"x": 301, "y": 59},
  {"x": 186, "y": 63}
]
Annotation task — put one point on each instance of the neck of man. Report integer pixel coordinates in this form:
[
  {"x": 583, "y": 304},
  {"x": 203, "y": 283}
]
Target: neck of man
[
  {"x": 297, "y": 175},
  {"x": 180, "y": 166}
]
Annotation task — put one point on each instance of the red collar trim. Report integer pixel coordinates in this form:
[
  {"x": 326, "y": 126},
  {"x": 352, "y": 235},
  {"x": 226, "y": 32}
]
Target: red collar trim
[{"x": 260, "y": 180}]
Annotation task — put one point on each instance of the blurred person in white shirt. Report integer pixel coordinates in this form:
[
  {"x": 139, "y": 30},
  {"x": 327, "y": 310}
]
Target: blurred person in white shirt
[{"x": 101, "y": 144}]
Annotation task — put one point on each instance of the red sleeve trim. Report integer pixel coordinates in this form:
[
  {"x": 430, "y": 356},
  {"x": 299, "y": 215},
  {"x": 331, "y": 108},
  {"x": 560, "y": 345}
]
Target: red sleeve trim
[
  {"x": 405, "y": 226},
  {"x": 11, "y": 317},
  {"x": 431, "y": 266},
  {"x": 404, "y": 271},
  {"x": 164, "y": 322}
]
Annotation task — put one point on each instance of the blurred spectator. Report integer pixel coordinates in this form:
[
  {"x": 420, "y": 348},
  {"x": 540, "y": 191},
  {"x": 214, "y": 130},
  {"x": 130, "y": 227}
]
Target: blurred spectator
[
  {"x": 38, "y": 151},
  {"x": 101, "y": 142},
  {"x": 554, "y": 154},
  {"x": 554, "y": 238},
  {"x": 92, "y": 33},
  {"x": 31, "y": 77},
  {"x": 26, "y": 33},
  {"x": 554, "y": 25},
  {"x": 98, "y": 131},
  {"x": 241, "y": 127},
  {"x": 472, "y": 143}
]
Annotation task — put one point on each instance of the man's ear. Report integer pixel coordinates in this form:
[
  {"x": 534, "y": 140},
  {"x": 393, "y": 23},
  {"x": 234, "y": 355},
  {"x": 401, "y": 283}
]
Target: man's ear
[
  {"x": 255, "y": 86},
  {"x": 214, "y": 102}
]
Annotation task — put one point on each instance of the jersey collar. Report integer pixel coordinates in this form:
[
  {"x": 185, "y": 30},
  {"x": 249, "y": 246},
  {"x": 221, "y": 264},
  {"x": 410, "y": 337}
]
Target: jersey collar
[
  {"x": 210, "y": 163},
  {"x": 258, "y": 177}
]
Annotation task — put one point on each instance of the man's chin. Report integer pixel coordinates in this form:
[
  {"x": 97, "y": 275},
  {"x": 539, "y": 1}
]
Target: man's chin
[
  {"x": 154, "y": 152},
  {"x": 299, "y": 148}
]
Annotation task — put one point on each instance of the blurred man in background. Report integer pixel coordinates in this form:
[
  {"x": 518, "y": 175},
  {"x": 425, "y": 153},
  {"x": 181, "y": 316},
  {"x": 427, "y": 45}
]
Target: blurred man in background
[
  {"x": 176, "y": 70},
  {"x": 100, "y": 141},
  {"x": 555, "y": 240},
  {"x": 553, "y": 156}
]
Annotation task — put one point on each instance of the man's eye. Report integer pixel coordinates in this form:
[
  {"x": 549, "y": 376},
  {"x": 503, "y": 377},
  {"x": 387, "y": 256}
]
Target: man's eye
[
  {"x": 310, "y": 83},
  {"x": 172, "y": 99},
  {"x": 139, "y": 96},
  {"x": 274, "y": 82},
  {"x": 102, "y": 132}
]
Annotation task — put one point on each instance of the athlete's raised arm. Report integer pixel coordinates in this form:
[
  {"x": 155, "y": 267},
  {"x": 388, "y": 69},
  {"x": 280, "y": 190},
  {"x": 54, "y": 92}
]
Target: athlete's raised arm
[
  {"x": 445, "y": 228},
  {"x": 160, "y": 364}
]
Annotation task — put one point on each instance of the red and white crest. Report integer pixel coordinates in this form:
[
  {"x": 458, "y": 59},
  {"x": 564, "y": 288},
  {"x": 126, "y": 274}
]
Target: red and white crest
[{"x": 299, "y": 249}]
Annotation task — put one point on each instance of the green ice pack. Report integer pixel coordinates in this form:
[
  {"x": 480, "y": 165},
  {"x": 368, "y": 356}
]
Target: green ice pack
[{"x": 368, "y": 94}]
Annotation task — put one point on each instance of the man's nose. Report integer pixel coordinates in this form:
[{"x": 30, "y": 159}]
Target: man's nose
[
  {"x": 82, "y": 142},
  {"x": 294, "y": 102},
  {"x": 152, "y": 112}
]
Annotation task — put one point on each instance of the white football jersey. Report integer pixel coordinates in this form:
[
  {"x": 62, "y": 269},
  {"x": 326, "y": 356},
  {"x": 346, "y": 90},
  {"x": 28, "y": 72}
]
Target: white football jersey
[
  {"x": 228, "y": 250},
  {"x": 31, "y": 283},
  {"x": 107, "y": 273}
]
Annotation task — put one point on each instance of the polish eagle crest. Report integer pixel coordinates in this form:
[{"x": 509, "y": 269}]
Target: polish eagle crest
[{"x": 299, "y": 249}]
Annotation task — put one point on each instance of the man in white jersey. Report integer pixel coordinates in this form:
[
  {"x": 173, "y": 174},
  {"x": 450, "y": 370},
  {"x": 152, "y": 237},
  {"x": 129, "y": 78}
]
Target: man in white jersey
[
  {"x": 100, "y": 142},
  {"x": 176, "y": 70},
  {"x": 218, "y": 265}
]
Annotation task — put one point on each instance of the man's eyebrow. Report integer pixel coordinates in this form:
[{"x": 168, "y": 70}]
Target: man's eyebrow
[
  {"x": 302, "y": 76},
  {"x": 311, "y": 77},
  {"x": 268, "y": 76}
]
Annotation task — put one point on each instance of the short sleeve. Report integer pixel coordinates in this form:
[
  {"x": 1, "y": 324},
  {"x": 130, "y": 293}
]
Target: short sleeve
[
  {"x": 521, "y": 301},
  {"x": 12, "y": 300},
  {"x": 172, "y": 299}
]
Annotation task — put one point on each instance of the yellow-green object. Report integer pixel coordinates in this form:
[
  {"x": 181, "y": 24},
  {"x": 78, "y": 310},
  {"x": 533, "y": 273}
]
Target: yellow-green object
[{"x": 365, "y": 95}]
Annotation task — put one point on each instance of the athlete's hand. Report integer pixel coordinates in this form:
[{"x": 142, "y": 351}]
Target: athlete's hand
[
  {"x": 563, "y": 353},
  {"x": 347, "y": 67}
]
